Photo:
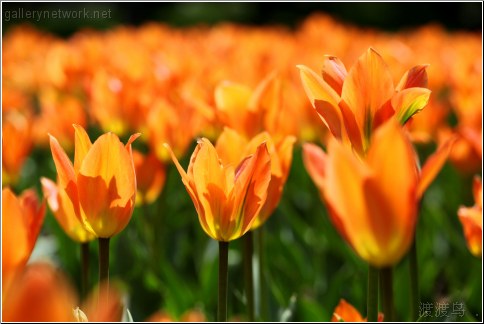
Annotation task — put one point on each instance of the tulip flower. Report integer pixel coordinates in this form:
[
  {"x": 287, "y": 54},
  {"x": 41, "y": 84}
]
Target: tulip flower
[
  {"x": 227, "y": 197},
  {"x": 22, "y": 219},
  {"x": 471, "y": 219},
  {"x": 372, "y": 201},
  {"x": 101, "y": 184},
  {"x": 345, "y": 312},
  {"x": 353, "y": 104},
  {"x": 41, "y": 294}
]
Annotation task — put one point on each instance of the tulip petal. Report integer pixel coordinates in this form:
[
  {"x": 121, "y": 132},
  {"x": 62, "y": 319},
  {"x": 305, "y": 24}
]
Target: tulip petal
[
  {"x": 15, "y": 241},
  {"x": 353, "y": 131},
  {"x": 345, "y": 175},
  {"x": 433, "y": 165},
  {"x": 415, "y": 77},
  {"x": 410, "y": 101},
  {"x": 314, "y": 160},
  {"x": 250, "y": 191},
  {"x": 471, "y": 219},
  {"x": 33, "y": 213},
  {"x": 82, "y": 146},
  {"x": 187, "y": 180},
  {"x": 367, "y": 87},
  {"x": 391, "y": 192},
  {"x": 64, "y": 167},
  {"x": 323, "y": 98},
  {"x": 230, "y": 147},
  {"x": 334, "y": 72}
]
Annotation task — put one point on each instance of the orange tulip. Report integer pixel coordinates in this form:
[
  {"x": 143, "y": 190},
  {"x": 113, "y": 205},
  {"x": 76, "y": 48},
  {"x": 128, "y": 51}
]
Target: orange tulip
[
  {"x": 227, "y": 197},
  {"x": 232, "y": 147},
  {"x": 63, "y": 210},
  {"x": 353, "y": 104},
  {"x": 372, "y": 200},
  {"x": 345, "y": 312},
  {"x": 471, "y": 219},
  {"x": 150, "y": 177},
  {"x": 16, "y": 144},
  {"x": 101, "y": 184},
  {"x": 41, "y": 294},
  {"x": 22, "y": 219}
]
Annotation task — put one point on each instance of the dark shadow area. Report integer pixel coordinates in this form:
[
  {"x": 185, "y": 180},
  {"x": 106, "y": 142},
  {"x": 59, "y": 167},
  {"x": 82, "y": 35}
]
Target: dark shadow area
[{"x": 66, "y": 18}]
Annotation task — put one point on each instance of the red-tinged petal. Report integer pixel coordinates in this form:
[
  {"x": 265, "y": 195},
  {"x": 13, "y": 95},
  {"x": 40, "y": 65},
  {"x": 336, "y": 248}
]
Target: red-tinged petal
[
  {"x": 334, "y": 72},
  {"x": 82, "y": 146},
  {"x": 383, "y": 114},
  {"x": 345, "y": 312},
  {"x": 354, "y": 133},
  {"x": 410, "y": 101},
  {"x": 471, "y": 219},
  {"x": 15, "y": 239},
  {"x": 33, "y": 212},
  {"x": 314, "y": 160},
  {"x": 331, "y": 117},
  {"x": 283, "y": 158},
  {"x": 415, "y": 77},
  {"x": 107, "y": 186},
  {"x": 249, "y": 192},
  {"x": 323, "y": 98},
  {"x": 391, "y": 193},
  {"x": 433, "y": 165},
  {"x": 367, "y": 87}
]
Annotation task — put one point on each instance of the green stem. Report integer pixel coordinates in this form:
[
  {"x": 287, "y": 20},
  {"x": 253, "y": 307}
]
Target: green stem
[
  {"x": 264, "y": 309},
  {"x": 372, "y": 294},
  {"x": 386, "y": 277},
  {"x": 223, "y": 277},
  {"x": 84, "y": 269},
  {"x": 104, "y": 260},
  {"x": 414, "y": 290},
  {"x": 248, "y": 251}
]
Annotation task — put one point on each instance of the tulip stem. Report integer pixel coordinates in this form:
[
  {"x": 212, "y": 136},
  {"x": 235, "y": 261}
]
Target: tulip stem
[
  {"x": 248, "y": 251},
  {"x": 223, "y": 278},
  {"x": 104, "y": 260},
  {"x": 84, "y": 269},
  {"x": 386, "y": 285},
  {"x": 262, "y": 282},
  {"x": 414, "y": 290},
  {"x": 372, "y": 293}
]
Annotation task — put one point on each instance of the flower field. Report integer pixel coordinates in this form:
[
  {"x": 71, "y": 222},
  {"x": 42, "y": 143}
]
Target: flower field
[{"x": 236, "y": 172}]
